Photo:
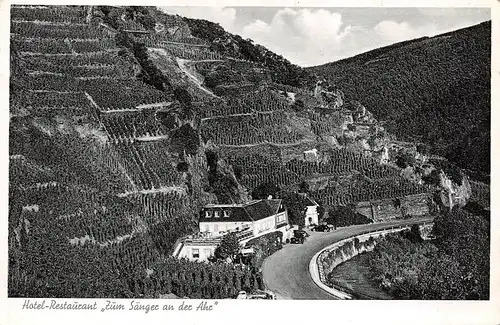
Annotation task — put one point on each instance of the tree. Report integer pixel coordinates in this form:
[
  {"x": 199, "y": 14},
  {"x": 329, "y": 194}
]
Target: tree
[
  {"x": 228, "y": 248},
  {"x": 224, "y": 187},
  {"x": 183, "y": 96},
  {"x": 183, "y": 166},
  {"x": 415, "y": 234},
  {"x": 185, "y": 139},
  {"x": 454, "y": 173},
  {"x": 433, "y": 178},
  {"x": 264, "y": 190},
  {"x": 453, "y": 266},
  {"x": 341, "y": 216},
  {"x": 212, "y": 158},
  {"x": 304, "y": 187},
  {"x": 321, "y": 212},
  {"x": 147, "y": 21},
  {"x": 296, "y": 206},
  {"x": 423, "y": 148}
]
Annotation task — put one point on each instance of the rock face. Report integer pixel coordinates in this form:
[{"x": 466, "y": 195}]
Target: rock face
[
  {"x": 384, "y": 157},
  {"x": 329, "y": 96},
  {"x": 453, "y": 194}
]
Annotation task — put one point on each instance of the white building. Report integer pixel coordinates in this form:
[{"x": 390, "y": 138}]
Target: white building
[
  {"x": 311, "y": 217},
  {"x": 311, "y": 155},
  {"x": 247, "y": 220}
]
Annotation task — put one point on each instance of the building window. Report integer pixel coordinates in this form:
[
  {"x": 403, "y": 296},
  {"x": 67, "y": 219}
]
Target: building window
[
  {"x": 196, "y": 253},
  {"x": 208, "y": 214},
  {"x": 226, "y": 214},
  {"x": 281, "y": 218},
  {"x": 216, "y": 214},
  {"x": 207, "y": 252}
]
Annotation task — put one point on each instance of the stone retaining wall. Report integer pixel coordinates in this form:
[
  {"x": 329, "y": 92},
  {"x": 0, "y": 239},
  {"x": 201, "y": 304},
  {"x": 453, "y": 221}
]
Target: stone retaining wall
[
  {"x": 331, "y": 256},
  {"x": 384, "y": 210}
]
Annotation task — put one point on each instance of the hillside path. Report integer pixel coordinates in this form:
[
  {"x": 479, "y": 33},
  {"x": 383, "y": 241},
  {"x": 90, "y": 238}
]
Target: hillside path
[{"x": 286, "y": 272}]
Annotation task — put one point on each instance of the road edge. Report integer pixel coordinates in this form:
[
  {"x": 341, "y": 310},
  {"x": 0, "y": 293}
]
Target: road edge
[{"x": 314, "y": 269}]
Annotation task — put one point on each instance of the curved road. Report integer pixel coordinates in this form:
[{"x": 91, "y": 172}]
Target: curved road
[{"x": 286, "y": 272}]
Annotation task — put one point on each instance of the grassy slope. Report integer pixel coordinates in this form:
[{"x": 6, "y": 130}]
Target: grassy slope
[{"x": 435, "y": 90}]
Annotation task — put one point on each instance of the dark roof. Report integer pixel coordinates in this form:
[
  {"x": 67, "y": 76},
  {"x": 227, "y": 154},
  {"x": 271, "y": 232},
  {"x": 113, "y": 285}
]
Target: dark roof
[
  {"x": 251, "y": 211},
  {"x": 275, "y": 205}
]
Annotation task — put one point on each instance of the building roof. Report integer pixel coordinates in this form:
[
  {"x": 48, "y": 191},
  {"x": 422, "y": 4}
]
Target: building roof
[
  {"x": 307, "y": 201},
  {"x": 245, "y": 212}
]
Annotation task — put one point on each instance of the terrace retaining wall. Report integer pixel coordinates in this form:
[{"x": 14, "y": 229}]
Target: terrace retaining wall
[{"x": 383, "y": 210}]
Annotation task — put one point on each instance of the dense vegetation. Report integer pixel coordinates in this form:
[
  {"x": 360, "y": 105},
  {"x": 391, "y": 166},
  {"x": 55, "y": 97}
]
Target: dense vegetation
[
  {"x": 282, "y": 71},
  {"x": 443, "y": 79},
  {"x": 341, "y": 216},
  {"x": 453, "y": 266},
  {"x": 264, "y": 246}
]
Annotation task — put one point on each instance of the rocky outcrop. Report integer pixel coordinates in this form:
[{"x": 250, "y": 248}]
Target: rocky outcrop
[
  {"x": 453, "y": 194},
  {"x": 329, "y": 96}
]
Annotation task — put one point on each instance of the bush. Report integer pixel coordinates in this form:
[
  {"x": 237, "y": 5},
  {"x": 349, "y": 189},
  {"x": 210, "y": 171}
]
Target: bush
[
  {"x": 225, "y": 187},
  {"x": 405, "y": 159},
  {"x": 185, "y": 139},
  {"x": 342, "y": 216},
  {"x": 263, "y": 191},
  {"x": 454, "y": 266},
  {"x": 228, "y": 248},
  {"x": 212, "y": 158},
  {"x": 182, "y": 166},
  {"x": 265, "y": 246},
  {"x": 183, "y": 96}
]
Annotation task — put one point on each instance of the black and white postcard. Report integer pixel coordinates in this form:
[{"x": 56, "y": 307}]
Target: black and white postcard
[{"x": 166, "y": 162}]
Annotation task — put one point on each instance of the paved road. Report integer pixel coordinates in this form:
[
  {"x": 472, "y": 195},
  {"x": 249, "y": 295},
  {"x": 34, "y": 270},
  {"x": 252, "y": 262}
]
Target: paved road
[{"x": 286, "y": 272}]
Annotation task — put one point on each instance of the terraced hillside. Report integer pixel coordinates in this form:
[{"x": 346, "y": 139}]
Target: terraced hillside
[
  {"x": 125, "y": 121},
  {"x": 444, "y": 79}
]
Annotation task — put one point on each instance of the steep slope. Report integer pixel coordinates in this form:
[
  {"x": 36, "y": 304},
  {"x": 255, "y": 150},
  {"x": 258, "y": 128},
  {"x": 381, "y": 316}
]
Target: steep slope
[
  {"x": 434, "y": 90},
  {"x": 106, "y": 170}
]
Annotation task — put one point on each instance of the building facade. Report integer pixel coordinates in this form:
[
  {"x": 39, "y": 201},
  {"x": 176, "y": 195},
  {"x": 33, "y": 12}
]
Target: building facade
[{"x": 248, "y": 220}]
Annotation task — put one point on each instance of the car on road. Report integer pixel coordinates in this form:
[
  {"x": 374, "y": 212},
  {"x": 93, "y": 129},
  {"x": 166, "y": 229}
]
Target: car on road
[
  {"x": 299, "y": 237},
  {"x": 322, "y": 228},
  {"x": 296, "y": 240},
  {"x": 242, "y": 295},
  {"x": 258, "y": 294}
]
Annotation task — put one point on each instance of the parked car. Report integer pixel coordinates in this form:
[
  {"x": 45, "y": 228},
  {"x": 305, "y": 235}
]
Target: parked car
[
  {"x": 321, "y": 228},
  {"x": 259, "y": 294},
  {"x": 299, "y": 237},
  {"x": 262, "y": 295}
]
